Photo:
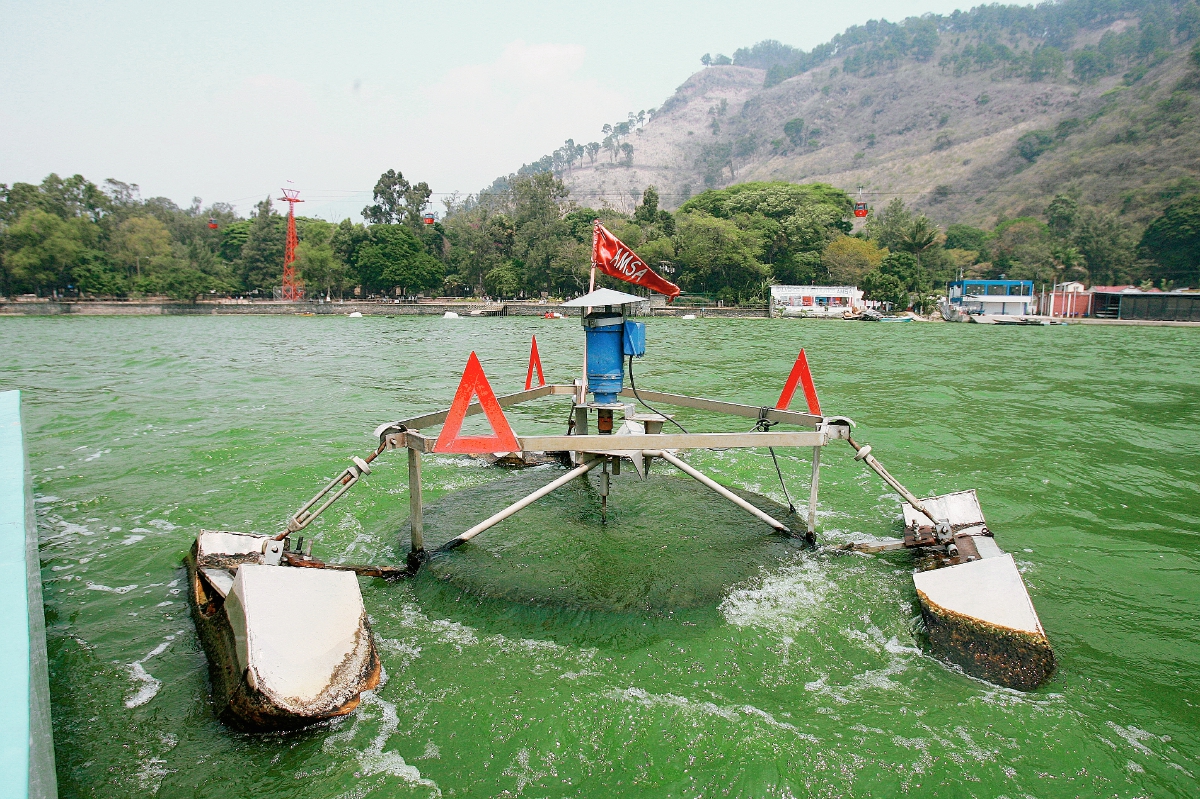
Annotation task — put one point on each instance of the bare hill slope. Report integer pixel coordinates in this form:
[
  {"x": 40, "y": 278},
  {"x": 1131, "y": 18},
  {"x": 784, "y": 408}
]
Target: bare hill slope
[{"x": 963, "y": 139}]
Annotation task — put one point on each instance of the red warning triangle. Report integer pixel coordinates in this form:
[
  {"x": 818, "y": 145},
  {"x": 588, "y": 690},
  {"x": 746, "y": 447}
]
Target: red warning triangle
[
  {"x": 534, "y": 360},
  {"x": 475, "y": 384},
  {"x": 800, "y": 374}
]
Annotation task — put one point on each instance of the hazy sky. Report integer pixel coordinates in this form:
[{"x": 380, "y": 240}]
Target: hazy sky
[{"x": 227, "y": 101}]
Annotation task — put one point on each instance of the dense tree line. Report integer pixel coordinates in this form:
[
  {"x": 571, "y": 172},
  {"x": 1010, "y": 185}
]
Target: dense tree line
[
  {"x": 529, "y": 239},
  {"x": 1072, "y": 241}
]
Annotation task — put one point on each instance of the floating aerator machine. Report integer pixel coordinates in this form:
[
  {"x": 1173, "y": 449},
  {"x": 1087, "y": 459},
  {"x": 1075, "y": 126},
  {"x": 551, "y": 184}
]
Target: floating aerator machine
[{"x": 977, "y": 611}]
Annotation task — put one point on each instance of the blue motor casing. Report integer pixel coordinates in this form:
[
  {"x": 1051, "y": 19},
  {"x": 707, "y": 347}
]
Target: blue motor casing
[
  {"x": 604, "y": 333},
  {"x": 634, "y": 340}
]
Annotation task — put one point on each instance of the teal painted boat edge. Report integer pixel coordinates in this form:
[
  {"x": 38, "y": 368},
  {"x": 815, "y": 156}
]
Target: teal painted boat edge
[{"x": 26, "y": 737}]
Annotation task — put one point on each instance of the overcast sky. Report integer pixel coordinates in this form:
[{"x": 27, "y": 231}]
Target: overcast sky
[{"x": 228, "y": 101}]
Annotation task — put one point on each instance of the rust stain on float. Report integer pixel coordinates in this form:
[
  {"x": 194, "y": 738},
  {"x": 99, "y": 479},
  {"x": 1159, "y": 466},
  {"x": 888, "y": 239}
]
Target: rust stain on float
[{"x": 1002, "y": 655}]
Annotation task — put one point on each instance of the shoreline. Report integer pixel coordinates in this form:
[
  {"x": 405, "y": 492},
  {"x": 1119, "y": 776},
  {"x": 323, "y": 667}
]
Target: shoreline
[
  {"x": 12, "y": 308},
  {"x": 365, "y": 307}
]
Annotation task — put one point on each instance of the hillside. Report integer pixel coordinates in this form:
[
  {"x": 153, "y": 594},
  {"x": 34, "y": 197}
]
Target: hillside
[{"x": 976, "y": 122}]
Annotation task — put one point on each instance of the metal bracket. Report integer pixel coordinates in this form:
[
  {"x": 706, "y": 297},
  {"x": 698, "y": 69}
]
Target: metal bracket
[{"x": 272, "y": 552}]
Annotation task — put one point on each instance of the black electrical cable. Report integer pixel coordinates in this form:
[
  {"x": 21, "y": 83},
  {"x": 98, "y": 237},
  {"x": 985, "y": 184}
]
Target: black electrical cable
[
  {"x": 763, "y": 425},
  {"x": 779, "y": 472},
  {"x": 633, "y": 385}
]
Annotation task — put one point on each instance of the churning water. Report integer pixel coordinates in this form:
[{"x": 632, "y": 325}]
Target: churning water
[{"x": 661, "y": 655}]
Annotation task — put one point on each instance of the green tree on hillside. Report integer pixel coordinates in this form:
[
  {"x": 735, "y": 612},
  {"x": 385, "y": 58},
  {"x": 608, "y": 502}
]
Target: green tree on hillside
[
  {"x": 847, "y": 259},
  {"x": 1022, "y": 250},
  {"x": 1172, "y": 241},
  {"x": 319, "y": 266},
  {"x": 715, "y": 256},
  {"x": 43, "y": 249},
  {"x": 890, "y": 225},
  {"x": 966, "y": 237},
  {"x": 392, "y": 257},
  {"x": 139, "y": 240}
]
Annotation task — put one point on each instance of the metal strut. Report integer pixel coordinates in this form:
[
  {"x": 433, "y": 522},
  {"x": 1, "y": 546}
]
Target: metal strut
[
  {"x": 720, "y": 489},
  {"x": 863, "y": 453},
  {"x": 304, "y": 517},
  {"x": 492, "y": 521}
]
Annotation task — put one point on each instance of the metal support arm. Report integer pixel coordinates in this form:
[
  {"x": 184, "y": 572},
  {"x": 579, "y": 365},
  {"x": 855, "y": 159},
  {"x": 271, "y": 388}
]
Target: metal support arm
[
  {"x": 492, "y": 521},
  {"x": 720, "y": 489},
  {"x": 863, "y": 454}
]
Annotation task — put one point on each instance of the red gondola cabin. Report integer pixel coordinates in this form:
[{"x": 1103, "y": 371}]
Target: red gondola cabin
[
  {"x": 860, "y": 210},
  {"x": 212, "y": 224},
  {"x": 429, "y": 219}
]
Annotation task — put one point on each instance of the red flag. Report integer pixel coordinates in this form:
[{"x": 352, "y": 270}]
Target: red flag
[{"x": 613, "y": 258}]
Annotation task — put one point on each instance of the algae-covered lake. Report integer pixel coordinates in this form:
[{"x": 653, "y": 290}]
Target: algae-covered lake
[{"x": 781, "y": 672}]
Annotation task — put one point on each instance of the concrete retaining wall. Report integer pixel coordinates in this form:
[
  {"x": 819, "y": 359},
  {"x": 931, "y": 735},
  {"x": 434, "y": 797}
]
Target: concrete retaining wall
[
  {"x": 162, "y": 308},
  {"x": 159, "y": 308}
]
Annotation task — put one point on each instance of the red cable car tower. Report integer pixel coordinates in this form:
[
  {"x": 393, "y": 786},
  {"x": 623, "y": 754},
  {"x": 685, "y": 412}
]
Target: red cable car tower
[{"x": 291, "y": 290}]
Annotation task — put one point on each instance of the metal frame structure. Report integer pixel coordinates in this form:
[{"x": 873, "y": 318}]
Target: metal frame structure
[{"x": 588, "y": 451}]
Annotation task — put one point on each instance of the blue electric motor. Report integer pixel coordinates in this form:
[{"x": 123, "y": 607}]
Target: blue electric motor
[{"x": 609, "y": 339}]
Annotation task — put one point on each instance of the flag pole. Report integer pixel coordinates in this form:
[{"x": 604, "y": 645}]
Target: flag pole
[{"x": 586, "y": 311}]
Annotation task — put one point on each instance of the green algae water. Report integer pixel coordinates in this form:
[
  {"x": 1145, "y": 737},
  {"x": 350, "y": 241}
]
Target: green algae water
[{"x": 782, "y": 672}]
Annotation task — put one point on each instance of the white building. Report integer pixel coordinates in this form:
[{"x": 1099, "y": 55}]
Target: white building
[{"x": 815, "y": 300}]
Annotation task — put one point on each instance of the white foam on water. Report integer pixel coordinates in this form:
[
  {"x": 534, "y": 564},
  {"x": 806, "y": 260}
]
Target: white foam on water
[
  {"x": 873, "y": 679},
  {"x": 402, "y": 651},
  {"x": 525, "y": 774},
  {"x": 125, "y": 589},
  {"x": 732, "y": 713},
  {"x": 459, "y": 636},
  {"x": 373, "y": 759},
  {"x": 1134, "y": 737},
  {"x": 132, "y": 539},
  {"x": 70, "y": 528},
  {"x": 163, "y": 524},
  {"x": 783, "y": 601},
  {"x": 145, "y": 685},
  {"x": 151, "y": 773}
]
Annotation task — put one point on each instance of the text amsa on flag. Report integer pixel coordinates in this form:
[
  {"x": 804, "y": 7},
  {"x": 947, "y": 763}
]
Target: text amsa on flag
[{"x": 613, "y": 258}]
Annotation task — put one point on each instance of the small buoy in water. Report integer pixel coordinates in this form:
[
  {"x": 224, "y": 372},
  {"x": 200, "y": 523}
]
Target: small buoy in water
[
  {"x": 355, "y": 315},
  {"x": 688, "y": 316},
  {"x": 450, "y": 315}
]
